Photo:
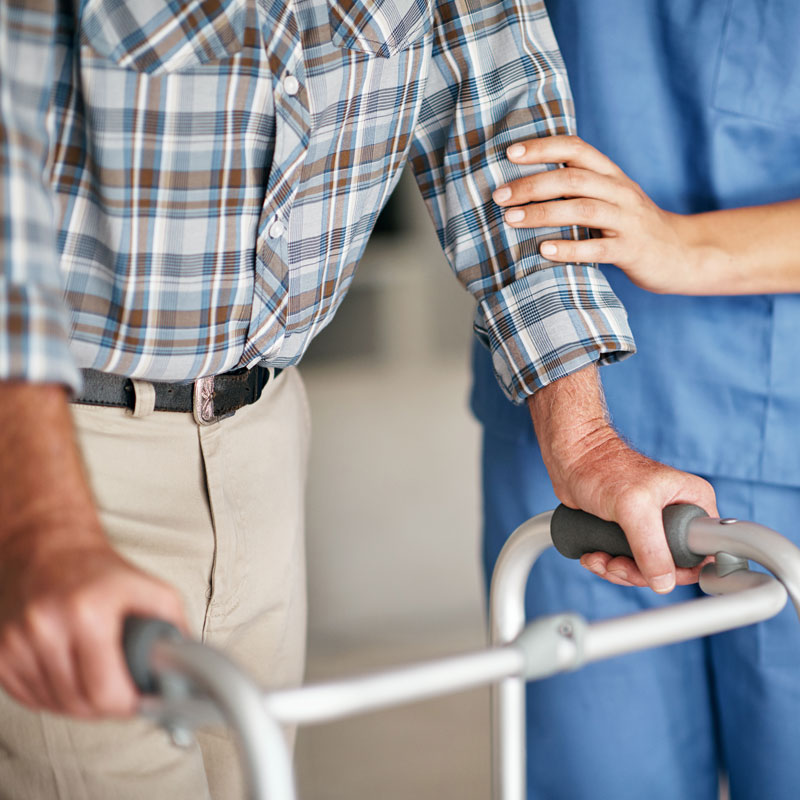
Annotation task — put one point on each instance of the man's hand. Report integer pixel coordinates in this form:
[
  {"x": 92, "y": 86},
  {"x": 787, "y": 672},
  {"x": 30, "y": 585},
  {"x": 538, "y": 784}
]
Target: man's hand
[
  {"x": 591, "y": 468},
  {"x": 64, "y": 593}
]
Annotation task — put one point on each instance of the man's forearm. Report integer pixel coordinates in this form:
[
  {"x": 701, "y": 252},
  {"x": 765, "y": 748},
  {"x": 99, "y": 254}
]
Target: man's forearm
[
  {"x": 43, "y": 490},
  {"x": 574, "y": 434},
  {"x": 593, "y": 469},
  {"x": 64, "y": 592},
  {"x": 570, "y": 419}
]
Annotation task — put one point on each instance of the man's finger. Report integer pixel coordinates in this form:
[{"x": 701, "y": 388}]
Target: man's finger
[
  {"x": 687, "y": 575},
  {"x": 16, "y": 687},
  {"x": 57, "y": 665},
  {"x": 27, "y": 670},
  {"x": 104, "y": 673},
  {"x": 624, "y": 572},
  {"x": 622, "y": 568},
  {"x": 50, "y": 641},
  {"x": 103, "y": 669},
  {"x": 643, "y": 525}
]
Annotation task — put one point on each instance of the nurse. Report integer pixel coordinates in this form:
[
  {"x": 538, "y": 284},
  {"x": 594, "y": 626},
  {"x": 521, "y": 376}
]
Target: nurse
[{"x": 699, "y": 103}]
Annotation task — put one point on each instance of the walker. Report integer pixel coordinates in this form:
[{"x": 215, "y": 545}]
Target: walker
[{"x": 189, "y": 685}]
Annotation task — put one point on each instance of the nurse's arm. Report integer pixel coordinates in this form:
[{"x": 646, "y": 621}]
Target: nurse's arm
[
  {"x": 753, "y": 250},
  {"x": 592, "y": 468}
]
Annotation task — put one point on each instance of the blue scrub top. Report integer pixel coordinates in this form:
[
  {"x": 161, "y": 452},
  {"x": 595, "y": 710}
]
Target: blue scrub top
[{"x": 699, "y": 102}]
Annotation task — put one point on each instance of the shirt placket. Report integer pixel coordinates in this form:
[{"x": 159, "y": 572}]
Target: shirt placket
[{"x": 292, "y": 134}]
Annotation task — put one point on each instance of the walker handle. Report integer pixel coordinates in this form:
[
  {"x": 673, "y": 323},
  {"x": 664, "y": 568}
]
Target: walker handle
[
  {"x": 576, "y": 533},
  {"x": 139, "y": 634}
]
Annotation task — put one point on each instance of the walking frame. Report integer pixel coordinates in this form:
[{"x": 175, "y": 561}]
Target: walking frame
[{"x": 189, "y": 685}]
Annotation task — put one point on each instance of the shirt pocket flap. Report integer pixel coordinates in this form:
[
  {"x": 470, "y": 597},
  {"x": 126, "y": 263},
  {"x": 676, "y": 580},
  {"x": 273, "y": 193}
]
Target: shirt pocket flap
[
  {"x": 379, "y": 27},
  {"x": 758, "y": 75},
  {"x": 154, "y": 36}
]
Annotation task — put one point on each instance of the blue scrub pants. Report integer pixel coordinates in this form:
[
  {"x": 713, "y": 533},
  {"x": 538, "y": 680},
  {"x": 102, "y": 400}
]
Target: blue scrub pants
[{"x": 660, "y": 724}]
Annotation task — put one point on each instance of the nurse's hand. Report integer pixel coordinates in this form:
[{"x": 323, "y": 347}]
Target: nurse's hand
[
  {"x": 750, "y": 250},
  {"x": 592, "y": 191},
  {"x": 593, "y": 469}
]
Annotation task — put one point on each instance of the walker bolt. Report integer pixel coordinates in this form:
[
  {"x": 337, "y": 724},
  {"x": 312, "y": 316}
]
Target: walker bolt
[
  {"x": 565, "y": 629},
  {"x": 180, "y": 736}
]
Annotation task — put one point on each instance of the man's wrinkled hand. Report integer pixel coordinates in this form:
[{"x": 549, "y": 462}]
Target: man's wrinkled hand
[
  {"x": 62, "y": 610},
  {"x": 593, "y": 469}
]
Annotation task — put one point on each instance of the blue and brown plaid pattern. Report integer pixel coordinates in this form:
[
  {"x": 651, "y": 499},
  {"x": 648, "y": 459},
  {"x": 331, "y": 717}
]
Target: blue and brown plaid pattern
[{"x": 198, "y": 179}]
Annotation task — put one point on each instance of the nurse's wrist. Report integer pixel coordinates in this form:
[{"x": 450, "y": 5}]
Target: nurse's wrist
[{"x": 704, "y": 268}]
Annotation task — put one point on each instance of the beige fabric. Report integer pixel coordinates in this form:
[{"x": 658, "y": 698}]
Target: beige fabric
[
  {"x": 217, "y": 511},
  {"x": 145, "y": 398}
]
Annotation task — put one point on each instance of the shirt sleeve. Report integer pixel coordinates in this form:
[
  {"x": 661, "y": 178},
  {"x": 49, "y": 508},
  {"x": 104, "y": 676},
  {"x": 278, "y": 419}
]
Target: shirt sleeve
[
  {"x": 496, "y": 77},
  {"x": 34, "y": 323}
]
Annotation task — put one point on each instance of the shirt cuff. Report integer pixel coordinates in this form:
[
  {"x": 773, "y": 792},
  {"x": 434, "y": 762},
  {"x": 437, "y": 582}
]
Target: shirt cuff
[
  {"x": 34, "y": 339},
  {"x": 551, "y": 323}
]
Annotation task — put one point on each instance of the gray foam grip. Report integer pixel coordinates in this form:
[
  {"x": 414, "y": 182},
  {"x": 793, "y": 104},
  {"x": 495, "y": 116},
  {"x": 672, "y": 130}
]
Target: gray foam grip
[
  {"x": 576, "y": 533},
  {"x": 138, "y": 637}
]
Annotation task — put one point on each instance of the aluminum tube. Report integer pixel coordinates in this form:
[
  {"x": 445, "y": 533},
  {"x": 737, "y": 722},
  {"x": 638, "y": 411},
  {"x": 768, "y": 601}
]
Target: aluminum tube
[
  {"x": 754, "y": 597},
  {"x": 186, "y": 712},
  {"x": 324, "y": 702},
  {"x": 753, "y": 541},
  {"x": 510, "y": 576},
  {"x": 239, "y": 700},
  {"x": 509, "y": 740},
  {"x": 507, "y": 619}
]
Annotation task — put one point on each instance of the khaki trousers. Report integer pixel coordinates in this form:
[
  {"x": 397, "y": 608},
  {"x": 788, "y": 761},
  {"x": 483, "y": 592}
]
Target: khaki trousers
[{"x": 216, "y": 511}]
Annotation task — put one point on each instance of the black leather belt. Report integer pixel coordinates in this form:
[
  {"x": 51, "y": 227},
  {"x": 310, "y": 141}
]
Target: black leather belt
[{"x": 209, "y": 399}]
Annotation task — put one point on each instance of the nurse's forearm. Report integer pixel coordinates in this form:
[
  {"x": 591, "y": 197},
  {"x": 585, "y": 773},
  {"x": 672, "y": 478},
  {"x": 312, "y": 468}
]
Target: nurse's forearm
[{"x": 753, "y": 250}]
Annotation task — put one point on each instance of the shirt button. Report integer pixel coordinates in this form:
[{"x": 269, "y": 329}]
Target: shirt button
[
  {"x": 277, "y": 229},
  {"x": 291, "y": 85}
]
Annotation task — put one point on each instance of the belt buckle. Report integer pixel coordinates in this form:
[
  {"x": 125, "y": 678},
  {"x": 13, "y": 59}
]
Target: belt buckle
[{"x": 203, "y": 401}]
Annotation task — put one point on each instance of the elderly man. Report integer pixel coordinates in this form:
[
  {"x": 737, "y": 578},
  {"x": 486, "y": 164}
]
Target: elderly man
[{"x": 187, "y": 188}]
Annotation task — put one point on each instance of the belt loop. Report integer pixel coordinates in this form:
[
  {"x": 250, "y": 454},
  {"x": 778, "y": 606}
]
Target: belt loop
[{"x": 145, "y": 398}]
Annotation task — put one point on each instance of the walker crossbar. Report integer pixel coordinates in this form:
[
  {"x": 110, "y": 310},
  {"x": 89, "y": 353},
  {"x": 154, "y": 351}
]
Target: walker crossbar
[{"x": 198, "y": 686}]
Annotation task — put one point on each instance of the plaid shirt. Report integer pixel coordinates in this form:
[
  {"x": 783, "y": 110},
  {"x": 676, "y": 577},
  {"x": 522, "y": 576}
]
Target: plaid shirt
[{"x": 186, "y": 186}]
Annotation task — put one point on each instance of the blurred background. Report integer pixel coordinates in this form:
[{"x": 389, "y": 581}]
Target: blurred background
[{"x": 393, "y": 519}]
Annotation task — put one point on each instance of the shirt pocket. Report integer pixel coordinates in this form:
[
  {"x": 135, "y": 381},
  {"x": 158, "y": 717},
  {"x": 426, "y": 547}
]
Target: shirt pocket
[
  {"x": 759, "y": 66},
  {"x": 378, "y": 27},
  {"x": 153, "y": 36}
]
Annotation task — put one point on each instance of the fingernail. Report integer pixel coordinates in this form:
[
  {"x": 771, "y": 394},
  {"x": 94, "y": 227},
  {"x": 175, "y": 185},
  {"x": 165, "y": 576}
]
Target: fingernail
[
  {"x": 515, "y": 215},
  {"x": 516, "y": 151},
  {"x": 548, "y": 249},
  {"x": 663, "y": 583},
  {"x": 501, "y": 195}
]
